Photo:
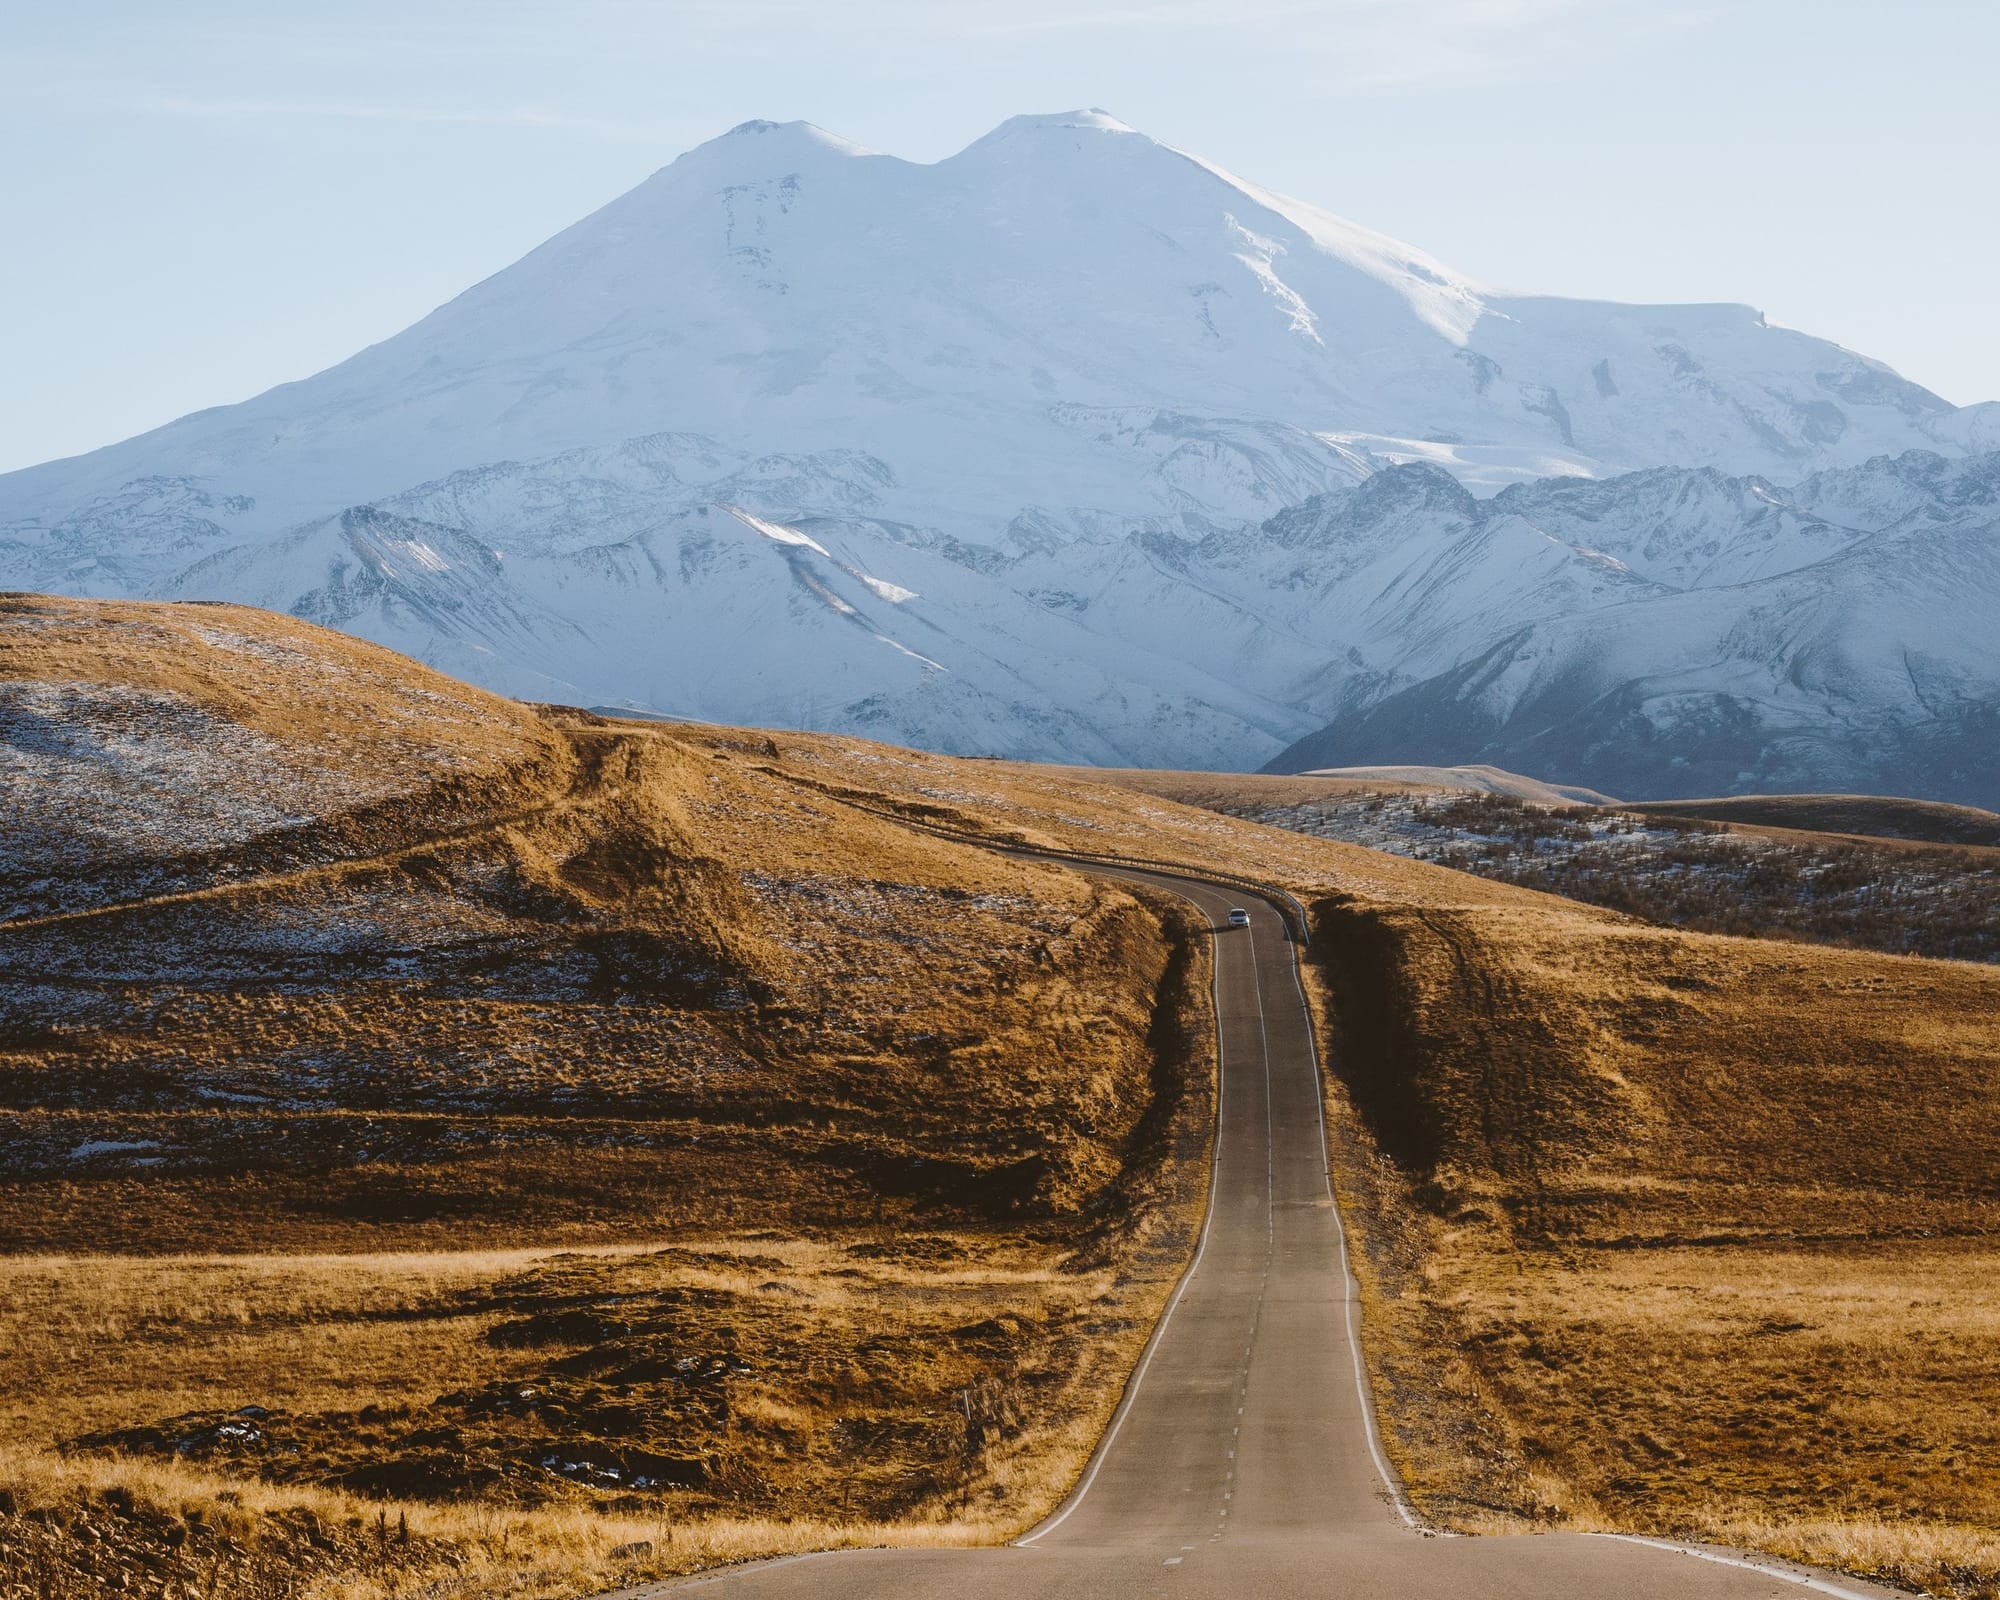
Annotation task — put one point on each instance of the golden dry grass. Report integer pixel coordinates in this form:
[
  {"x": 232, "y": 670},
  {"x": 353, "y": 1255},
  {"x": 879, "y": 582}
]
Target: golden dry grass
[
  {"x": 641, "y": 994},
  {"x": 814, "y": 1015},
  {"x": 93, "y": 1341},
  {"x": 881, "y": 1390},
  {"x": 1830, "y": 1404},
  {"x": 1691, "y": 1235},
  {"x": 964, "y": 1354},
  {"x": 949, "y": 1389},
  {"x": 689, "y": 982},
  {"x": 1748, "y": 1382},
  {"x": 1863, "y": 815},
  {"x": 90, "y": 1526},
  {"x": 1224, "y": 791}
]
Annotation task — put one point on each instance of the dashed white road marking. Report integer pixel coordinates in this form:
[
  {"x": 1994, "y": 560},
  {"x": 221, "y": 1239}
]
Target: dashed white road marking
[{"x": 1187, "y": 1278}]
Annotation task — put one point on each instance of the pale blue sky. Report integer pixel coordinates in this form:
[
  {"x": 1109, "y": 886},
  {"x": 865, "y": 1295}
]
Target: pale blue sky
[{"x": 201, "y": 199}]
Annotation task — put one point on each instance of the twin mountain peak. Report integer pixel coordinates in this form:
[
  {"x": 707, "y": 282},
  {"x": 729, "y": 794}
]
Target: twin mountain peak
[{"x": 1073, "y": 445}]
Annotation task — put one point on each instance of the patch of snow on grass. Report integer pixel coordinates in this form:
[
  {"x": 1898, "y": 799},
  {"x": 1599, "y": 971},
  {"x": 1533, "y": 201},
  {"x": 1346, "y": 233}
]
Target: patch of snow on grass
[
  {"x": 92, "y": 1148},
  {"x": 93, "y": 768},
  {"x": 271, "y": 651}
]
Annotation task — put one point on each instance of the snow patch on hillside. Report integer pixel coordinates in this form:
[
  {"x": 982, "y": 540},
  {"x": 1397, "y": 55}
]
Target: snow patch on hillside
[
  {"x": 91, "y": 769},
  {"x": 777, "y": 532},
  {"x": 894, "y": 593}
]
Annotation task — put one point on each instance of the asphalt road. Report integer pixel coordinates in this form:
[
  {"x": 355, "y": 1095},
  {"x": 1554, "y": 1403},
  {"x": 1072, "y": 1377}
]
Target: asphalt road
[{"x": 1243, "y": 1461}]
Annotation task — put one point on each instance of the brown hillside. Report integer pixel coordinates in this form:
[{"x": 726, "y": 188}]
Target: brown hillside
[
  {"x": 1225, "y": 791},
  {"x": 150, "y": 748},
  {"x": 1868, "y": 815},
  {"x": 469, "y": 1087},
  {"x": 324, "y": 940},
  {"x": 536, "y": 1054}
]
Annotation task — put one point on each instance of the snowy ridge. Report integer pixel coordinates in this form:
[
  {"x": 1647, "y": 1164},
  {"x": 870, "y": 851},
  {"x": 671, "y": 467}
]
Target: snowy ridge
[{"x": 1760, "y": 649}]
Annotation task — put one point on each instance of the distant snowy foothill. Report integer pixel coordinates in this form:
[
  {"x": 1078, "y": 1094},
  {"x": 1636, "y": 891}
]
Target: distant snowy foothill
[{"x": 1075, "y": 446}]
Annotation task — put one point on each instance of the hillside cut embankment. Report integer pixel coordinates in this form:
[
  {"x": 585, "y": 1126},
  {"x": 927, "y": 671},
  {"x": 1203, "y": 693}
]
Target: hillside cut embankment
[{"x": 1686, "y": 1233}]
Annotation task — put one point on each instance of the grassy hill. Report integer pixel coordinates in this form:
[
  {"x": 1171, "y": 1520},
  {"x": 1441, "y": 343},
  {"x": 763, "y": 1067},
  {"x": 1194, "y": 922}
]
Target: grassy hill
[
  {"x": 346, "y": 949},
  {"x": 468, "y": 1086},
  {"x": 1868, "y": 815},
  {"x": 1695, "y": 1228},
  {"x": 1899, "y": 896}
]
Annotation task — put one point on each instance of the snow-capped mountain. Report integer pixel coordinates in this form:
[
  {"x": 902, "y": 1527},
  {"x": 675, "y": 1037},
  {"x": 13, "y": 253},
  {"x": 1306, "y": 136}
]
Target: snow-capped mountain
[
  {"x": 1070, "y": 445},
  {"x": 1842, "y": 636}
]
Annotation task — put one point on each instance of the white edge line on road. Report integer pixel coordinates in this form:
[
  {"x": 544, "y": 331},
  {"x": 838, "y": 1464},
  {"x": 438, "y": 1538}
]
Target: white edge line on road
[
  {"x": 1270, "y": 1147},
  {"x": 1076, "y": 1496},
  {"x": 1804, "y": 1580},
  {"x": 1125, "y": 1404},
  {"x": 1350, "y": 1289}
]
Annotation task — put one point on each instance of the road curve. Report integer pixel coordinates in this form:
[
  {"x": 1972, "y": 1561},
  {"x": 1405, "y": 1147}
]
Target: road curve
[{"x": 1243, "y": 1461}]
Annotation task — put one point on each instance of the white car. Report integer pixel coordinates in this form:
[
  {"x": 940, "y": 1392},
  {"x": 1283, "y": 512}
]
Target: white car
[{"x": 1238, "y": 917}]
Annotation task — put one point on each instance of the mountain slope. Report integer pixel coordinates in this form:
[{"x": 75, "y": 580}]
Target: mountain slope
[
  {"x": 1024, "y": 416},
  {"x": 1872, "y": 669},
  {"x": 780, "y": 288}
]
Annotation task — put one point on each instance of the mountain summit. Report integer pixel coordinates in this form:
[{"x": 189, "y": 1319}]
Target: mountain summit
[
  {"x": 780, "y": 288},
  {"x": 798, "y": 431}
]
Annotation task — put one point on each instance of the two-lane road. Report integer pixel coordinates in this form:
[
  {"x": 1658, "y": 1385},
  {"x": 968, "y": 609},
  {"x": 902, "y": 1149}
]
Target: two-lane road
[{"x": 1243, "y": 1461}]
